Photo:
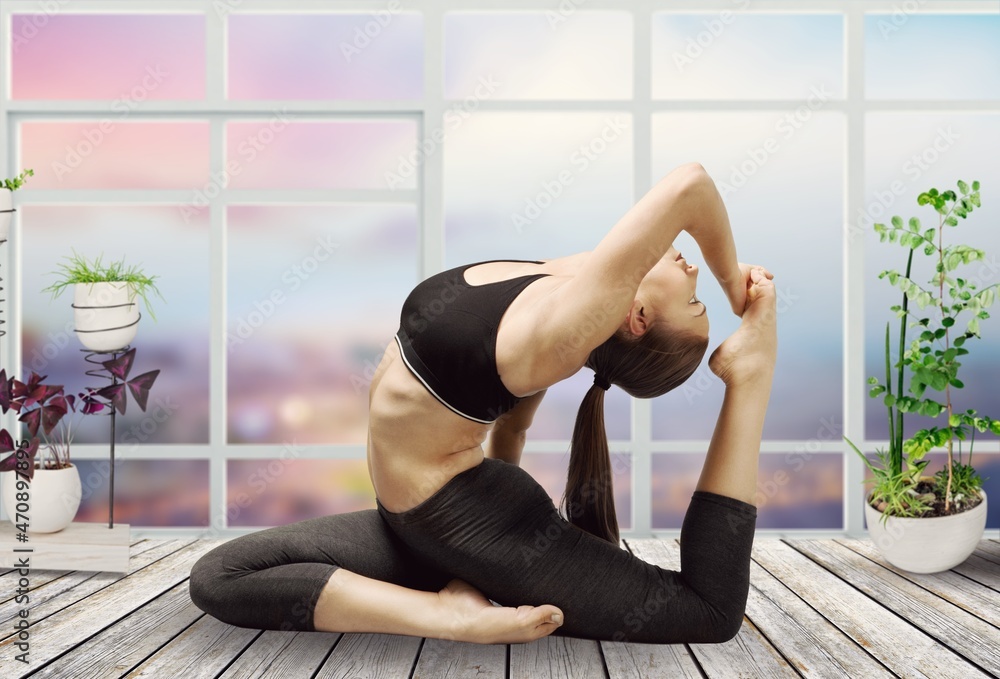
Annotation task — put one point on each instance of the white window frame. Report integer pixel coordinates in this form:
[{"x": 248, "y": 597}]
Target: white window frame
[{"x": 429, "y": 198}]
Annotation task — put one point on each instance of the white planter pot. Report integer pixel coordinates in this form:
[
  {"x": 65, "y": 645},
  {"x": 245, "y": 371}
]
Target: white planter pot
[
  {"x": 6, "y": 203},
  {"x": 52, "y": 502},
  {"x": 105, "y": 315},
  {"x": 928, "y": 545}
]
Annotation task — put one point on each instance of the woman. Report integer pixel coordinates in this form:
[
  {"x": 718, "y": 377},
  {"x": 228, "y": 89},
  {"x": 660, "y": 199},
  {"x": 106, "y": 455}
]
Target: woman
[{"x": 458, "y": 523}]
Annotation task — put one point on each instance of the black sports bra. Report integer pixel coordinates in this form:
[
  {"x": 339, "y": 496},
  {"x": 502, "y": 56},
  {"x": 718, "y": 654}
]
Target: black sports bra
[{"x": 447, "y": 336}]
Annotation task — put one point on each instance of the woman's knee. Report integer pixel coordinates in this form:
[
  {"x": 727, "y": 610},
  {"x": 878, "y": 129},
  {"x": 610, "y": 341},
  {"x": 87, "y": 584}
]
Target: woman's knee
[{"x": 207, "y": 584}]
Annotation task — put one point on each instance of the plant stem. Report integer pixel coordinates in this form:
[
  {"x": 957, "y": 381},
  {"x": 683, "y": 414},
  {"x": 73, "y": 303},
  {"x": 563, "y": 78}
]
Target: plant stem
[
  {"x": 896, "y": 449},
  {"x": 947, "y": 387},
  {"x": 888, "y": 388}
]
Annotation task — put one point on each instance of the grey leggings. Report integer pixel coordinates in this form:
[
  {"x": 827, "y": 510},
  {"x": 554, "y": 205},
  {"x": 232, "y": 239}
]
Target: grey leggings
[{"x": 496, "y": 528}]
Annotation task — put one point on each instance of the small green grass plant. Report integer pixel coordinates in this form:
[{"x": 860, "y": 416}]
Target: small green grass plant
[{"x": 80, "y": 270}]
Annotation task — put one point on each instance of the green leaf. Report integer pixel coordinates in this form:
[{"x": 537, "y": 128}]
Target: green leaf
[
  {"x": 973, "y": 326},
  {"x": 897, "y": 221},
  {"x": 947, "y": 321},
  {"x": 875, "y": 391},
  {"x": 975, "y": 185},
  {"x": 957, "y": 383},
  {"x": 923, "y": 199},
  {"x": 963, "y": 187},
  {"x": 889, "y": 400}
]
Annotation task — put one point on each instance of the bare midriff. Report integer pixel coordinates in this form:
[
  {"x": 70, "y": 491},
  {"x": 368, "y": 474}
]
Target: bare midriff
[{"x": 416, "y": 444}]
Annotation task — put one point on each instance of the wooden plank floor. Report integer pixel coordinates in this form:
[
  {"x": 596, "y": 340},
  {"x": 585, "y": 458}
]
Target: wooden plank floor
[{"x": 817, "y": 608}]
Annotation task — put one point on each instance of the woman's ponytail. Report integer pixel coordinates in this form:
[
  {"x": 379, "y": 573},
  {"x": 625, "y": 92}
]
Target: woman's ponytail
[{"x": 589, "y": 499}]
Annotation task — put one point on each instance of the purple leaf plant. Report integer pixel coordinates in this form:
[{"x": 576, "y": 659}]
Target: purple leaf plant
[{"x": 44, "y": 407}]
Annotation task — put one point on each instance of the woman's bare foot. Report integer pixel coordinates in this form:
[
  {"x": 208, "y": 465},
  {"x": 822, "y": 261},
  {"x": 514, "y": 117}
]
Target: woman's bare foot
[
  {"x": 470, "y": 616},
  {"x": 749, "y": 354}
]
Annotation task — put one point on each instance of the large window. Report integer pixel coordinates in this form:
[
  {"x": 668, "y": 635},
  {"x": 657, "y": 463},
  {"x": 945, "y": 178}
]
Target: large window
[{"x": 290, "y": 171}]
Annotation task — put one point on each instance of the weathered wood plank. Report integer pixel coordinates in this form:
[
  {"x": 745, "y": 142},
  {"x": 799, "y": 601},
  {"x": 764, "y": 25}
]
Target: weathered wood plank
[
  {"x": 959, "y": 590},
  {"x": 900, "y": 646},
  {"x": 158, "y": 640},
  {"x": 982, "y": 571},
  {"x": 55, "y": 590},
  {"x": 951, "y": 625},
  {"x": 282, "y": 654},
  {"x": 988, "y": 550},
  {"x": 748, "y": 654},
  {"x": 200, "y": 652},
  {"x": 442, "y": 659},
  {"x": 85, "y": 618},
  {"x": 9, "y": 582},
  {"x": 649, "y": 661},
  {"x": 808, "y": 641},
  {"x": 554, "y": 657},
  {"x": 371, "y": 656}
]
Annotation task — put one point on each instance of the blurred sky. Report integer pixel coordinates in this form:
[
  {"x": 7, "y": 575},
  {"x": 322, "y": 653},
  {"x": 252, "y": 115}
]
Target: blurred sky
[{"x": 313, "y": 291}]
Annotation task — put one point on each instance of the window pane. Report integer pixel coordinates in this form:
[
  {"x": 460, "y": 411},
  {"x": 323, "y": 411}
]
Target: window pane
[
  {"x": 932, "y": 56},
  {"x": 986, "y": 465},
  {"x": 781, "y": 177},
  {"x": 906, "y": 154},
  {"x": 326, "y": 56},
  {"x": 320, "y": 155},
  {"x": 276, "y": 492},
  {"x": 539, "y": 186},
  {"x": 148, "y": 493},
  {"x": 550, "y": 470},
  {"x": 314, "y": 296},
  {"x": 106, "y": 154},
  {"x": 794, "y": 490},
  {"x": 161, "y": 242},
  {"x": 125, "y": 58},
  {"x": 538, "y": 55},
  {"x": 737, "y": 55}
]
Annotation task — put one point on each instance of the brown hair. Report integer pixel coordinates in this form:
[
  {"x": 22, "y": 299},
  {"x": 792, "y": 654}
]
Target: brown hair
[{"x": 645, "y": 367}]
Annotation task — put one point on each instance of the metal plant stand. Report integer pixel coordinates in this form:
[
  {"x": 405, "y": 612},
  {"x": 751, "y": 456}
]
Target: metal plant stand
[{"x": 104, "y": 373}]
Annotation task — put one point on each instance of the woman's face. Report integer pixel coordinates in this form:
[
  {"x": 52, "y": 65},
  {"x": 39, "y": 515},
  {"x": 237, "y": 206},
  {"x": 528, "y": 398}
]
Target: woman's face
[{"x": 668, "y": 292}]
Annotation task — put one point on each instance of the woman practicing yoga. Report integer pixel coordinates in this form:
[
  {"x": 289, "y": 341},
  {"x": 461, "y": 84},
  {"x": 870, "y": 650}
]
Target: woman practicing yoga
[{"x": 459, "y": 525}]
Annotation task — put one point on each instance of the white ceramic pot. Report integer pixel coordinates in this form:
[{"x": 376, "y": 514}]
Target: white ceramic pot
[
  {"x": 105, "y": 315},
  {"x": 6, "y": 203},
  {"x": 52, "y": 502},
  {"x": 929, "y": 545}
]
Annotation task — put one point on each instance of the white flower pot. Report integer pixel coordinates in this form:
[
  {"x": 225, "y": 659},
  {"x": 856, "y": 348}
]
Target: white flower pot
[
  {"x": 105, "y": 315},
  {"x": 6, "y": 203},
  {"x": 929, "y": 545},
  {"x": 53, "y": 498}
]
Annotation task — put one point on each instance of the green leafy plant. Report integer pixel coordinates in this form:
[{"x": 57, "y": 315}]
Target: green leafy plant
[
  {"x": 16, "y": 183},
  {"x": 932, "y": 361},
  {"x": 80, "y": 270}
]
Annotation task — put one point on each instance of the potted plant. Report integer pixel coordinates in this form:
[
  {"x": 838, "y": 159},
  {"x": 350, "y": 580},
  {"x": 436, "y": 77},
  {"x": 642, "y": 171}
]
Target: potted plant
[
  {"x": 106, "y": 314},
  {"x": 7, "y": 188},
  {"x": 53, "y": 482},
  {"x": 928, "y": 524}
]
